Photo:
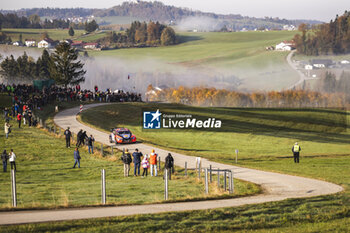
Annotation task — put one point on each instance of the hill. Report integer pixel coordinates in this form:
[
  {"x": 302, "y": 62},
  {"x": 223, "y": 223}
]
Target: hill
[{"x": 157, "y": 11}]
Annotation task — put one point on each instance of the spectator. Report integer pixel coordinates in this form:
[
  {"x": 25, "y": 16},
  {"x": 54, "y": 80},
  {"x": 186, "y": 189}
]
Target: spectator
[
  {"x": 24, "y": 117},
  {"x": 153, "y": 162},
  {"x": 78, "y": 137},
  {"x": 91, "y": 140},
  {"x": 12, "y": 159},
  {"x": 29, "y": 116},
  {"x": 76, "y": 157},
  {"x": 68, "y": 135},
  {"x": 169, "y": 164},
  {"x": 137, "y": 161},
  {"x": 4, "y": 159},
  {"x": 19, "y": 119},
  {"x": 7, "y": 128},
  {"x": 6, "y": 114},
  {"x": 126, "y": 158},
  {"x": 145, "y": 165}
]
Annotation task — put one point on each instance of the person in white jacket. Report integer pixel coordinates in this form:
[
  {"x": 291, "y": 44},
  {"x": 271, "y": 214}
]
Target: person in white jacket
[{"x": 12, "y": 159}]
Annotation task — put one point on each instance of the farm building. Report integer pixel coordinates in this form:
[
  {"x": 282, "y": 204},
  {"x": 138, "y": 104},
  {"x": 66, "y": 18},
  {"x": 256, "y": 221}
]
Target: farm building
[
  {"x": 46, "y": 43},
  {"x": 285, "y": 46},
  {"x": 321, "y": 63},
  {"x": 30, "y": 42}
]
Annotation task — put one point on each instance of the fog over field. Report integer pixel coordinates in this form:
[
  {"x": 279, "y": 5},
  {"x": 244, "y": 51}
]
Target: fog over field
[{"x": 113, "y": 72}]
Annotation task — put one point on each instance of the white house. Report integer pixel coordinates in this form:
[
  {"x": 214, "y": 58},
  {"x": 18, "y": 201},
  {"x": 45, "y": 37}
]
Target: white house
[
  {"x": 17, "y": 43},
  {"x": 308, "y": 67},
  {"x": 90, "y": 46},
  {"x": 46, "y": 43},
  {"x": 285, "y": 46},
  {"x": 30, "y": 42}
]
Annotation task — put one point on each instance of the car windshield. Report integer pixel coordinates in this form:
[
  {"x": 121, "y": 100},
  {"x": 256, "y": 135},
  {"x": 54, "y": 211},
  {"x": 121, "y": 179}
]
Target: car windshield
[{"x": 124, "y": 132}]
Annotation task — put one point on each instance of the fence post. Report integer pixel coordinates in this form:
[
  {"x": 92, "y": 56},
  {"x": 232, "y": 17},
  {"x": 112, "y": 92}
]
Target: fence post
[
  {"x": 231, "y": 183},
  {"x": 54, "y": 129},
  {"x": 210, "y": 174},
  {"x": 206, "y": 182},
  {"x": 199, "y": 170},
  {"x": 103, "y": 191},
  {"x": 50, "y": 129},
  {"x": 166, "y": 184},
  {"x": 185, "y": 168},
  {"x": 13, "y": 188},
  {"x": 41, "y": 122},
  {"x": 102, "y": 149},
  {"x": 218, "y": 178},
  {"x": 159, "y": 164},
  {"x": 59, "y": 130},
  {"x": 112, "y": 150},
  {"x": 225, "y": 180}
]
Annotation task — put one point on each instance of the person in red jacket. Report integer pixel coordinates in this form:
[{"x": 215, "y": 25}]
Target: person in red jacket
[{"x": 19, "y": 119}]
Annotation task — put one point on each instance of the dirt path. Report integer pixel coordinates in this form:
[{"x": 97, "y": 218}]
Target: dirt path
[{"x": 277, "y": 186}]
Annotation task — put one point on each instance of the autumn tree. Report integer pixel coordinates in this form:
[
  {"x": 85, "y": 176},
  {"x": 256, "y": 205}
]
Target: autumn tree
[{"x": 168, "y": 36}]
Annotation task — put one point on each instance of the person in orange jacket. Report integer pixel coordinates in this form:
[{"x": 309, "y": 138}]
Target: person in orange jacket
[{"x": 153, "y": 161}]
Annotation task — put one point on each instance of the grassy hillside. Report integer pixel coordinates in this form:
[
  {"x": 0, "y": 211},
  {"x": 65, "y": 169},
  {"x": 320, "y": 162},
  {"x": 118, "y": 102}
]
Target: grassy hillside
[
  {"x": 269, "y": 146},
  {"x": 213, "y": 54},
  {"x": 266, "y": 133},
  {"x": 241, "y": 54},
  {"x": 45, "y": 178}
]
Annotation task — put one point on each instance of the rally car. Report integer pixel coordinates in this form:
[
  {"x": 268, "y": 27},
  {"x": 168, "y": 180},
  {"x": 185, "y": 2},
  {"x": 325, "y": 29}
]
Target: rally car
[{"x": 121, "y": 135}]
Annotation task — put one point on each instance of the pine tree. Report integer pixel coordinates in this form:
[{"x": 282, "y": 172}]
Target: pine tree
[
  {"x": 71, "y": 31},
  {"x": 64, "y": 68},
  {"x": 43, "y": 65}
]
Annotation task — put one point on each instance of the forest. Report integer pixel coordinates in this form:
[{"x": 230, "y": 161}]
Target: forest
[
  {"x": 141, "y": 34},
  {"x": 325, "y": 39}
]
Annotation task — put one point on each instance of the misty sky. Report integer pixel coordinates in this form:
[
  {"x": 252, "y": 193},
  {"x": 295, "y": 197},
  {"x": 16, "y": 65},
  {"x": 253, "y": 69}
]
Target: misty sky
[{"x": 289, "y": 9}]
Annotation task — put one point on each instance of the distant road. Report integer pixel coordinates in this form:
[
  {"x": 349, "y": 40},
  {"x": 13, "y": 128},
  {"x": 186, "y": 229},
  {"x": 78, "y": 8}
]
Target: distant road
[
  {"x": 276, "y": 186},
  {"x": 294, "y": 66}
]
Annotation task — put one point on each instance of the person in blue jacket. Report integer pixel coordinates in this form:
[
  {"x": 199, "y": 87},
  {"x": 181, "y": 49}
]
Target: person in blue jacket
[
  {"x": 76, "y": 157},
  {"x": 137, "y": 161}
]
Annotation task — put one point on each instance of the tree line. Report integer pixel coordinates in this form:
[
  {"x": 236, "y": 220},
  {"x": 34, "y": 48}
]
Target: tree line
[
  {"x": 62, "y": 66},
  {"x": 328, "y": 38},
  {"x": 150, "y": 34},
  {"x": 12, "y": 20},
  {"x": 201, "y": 96}
]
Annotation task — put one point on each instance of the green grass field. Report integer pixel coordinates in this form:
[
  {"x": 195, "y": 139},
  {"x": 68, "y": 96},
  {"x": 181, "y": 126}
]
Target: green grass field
[
  {"x": 45, "y": 178},
  {"x": 266, "y": 148},
  {"x": 264, "y": 138},
  {"x": 267, "y": 133}
]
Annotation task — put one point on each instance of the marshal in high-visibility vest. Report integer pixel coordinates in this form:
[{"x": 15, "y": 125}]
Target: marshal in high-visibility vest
[{"x": 296, "y": 152}]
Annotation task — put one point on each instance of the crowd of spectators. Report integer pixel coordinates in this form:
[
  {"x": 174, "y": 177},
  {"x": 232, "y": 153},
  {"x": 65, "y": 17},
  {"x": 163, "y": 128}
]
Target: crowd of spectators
[{"x": 36, "y": 99}]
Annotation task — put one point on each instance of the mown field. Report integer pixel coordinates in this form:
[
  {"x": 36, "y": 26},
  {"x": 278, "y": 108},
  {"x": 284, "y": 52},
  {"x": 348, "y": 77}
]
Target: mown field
[
  {"x": 45, "y": 178},
  {"x": 264, "y": 137},
  {"x": 267, "y": 148}
]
